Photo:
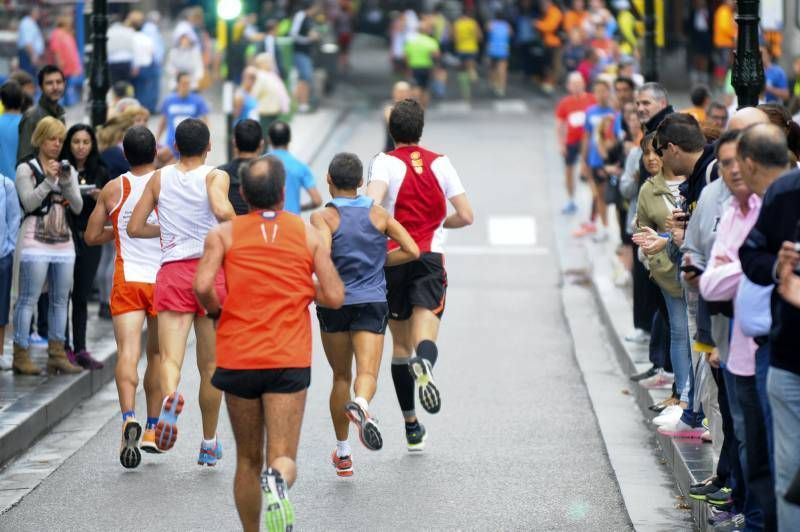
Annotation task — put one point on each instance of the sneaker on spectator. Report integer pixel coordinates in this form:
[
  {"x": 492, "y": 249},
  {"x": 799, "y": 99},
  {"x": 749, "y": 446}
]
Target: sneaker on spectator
[
  {"x": 638, "y": 336},
  {"x": 37, "y": 341},
  {"x": 724, "y": 519},
  {"x": 585, "y": 229},
  {"x": 662, "y": 379},
  {"x": 700, "y": 493},
  {"x": 660, "y": 407},
  {"x": 600, "y": 235},
  {"x": 669, "y": 415},
  {"x": 721, "y": 497},
  {"x": 645, "y": 374},
  {"x": 5, "y": 363},
  {"x": 679, "y": 429},
  {"x": 570, "y": 208}
]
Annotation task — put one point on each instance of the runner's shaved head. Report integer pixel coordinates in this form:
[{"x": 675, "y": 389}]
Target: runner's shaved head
[
  {"x": 262, "y": 181},
  {"x": 746, "y": 117}
]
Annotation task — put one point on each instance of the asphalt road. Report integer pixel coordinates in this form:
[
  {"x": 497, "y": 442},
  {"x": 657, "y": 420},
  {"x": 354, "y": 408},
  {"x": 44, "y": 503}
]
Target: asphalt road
[{"x": 516, "y": 445}]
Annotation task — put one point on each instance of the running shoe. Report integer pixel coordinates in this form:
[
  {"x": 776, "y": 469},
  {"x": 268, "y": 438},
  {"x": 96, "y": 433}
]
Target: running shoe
[
  {"x": 569, "y": 209},
  {"x": 129, "y": 455},
  {"x": 660, "y": 407},
  {"x": 279, "y": 512},
  {"x": 701, "y": 493},
  {"x": 167, "y": 428},
  {"x": 721, "y": 497},
  {"x": 5, "y": 363},
  {"x": 148, "y": 443},
  {"x": 422, "y": 372},
  {"x": 662, "y": 379},
  {"x": 342, "y": 464},
  {"x": 600, "y": 236},
  {"x": 639, "y": 336},
  {"x": 669, "y": 415},
  {"x": 585, "y": 229},
  {"x": 415, "y": 438},
  {"x": 722, "y": 520},
  {"x": 644, "y": 375},
  {"x": 679, "y": 429},
  {"x": 210, "y": 455},
  {"x": 367, "y": 427}
]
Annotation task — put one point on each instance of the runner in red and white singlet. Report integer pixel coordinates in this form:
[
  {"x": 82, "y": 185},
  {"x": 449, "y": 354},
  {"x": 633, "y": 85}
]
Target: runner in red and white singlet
[
  {"x": 135, "y": 272},
  {"x": 414, "y": 185},
  {"x": 190, "y": 198}
]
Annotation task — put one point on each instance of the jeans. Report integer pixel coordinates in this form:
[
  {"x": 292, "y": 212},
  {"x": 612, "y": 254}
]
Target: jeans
[
  {"x": 784, "y": 400},
  {"x": 146, "y": 86},
  {"x": 751, "y": 510},
  {"x": 729, "y": 467},
  {"x": 762, "y": 368},
  {"x": 679, "y": 348},
  {"x": 32, "y": 275}
]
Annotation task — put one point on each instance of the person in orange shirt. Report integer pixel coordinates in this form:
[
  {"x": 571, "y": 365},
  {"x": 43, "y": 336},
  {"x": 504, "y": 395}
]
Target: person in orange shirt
[
  {"x": 725, "y": 32},
  {"x": 264, "y": 334},
  {"x": 548, "y": 25},
  {"x": 701, "y": 99},
  {"x": 577, "y": 17}
]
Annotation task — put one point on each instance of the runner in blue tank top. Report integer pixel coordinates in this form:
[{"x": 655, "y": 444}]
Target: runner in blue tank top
[{"x": 357, "y": 231}]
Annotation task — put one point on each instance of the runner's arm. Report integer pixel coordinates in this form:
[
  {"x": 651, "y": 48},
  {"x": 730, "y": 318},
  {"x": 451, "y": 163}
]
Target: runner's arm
[
  {"x": 137, "y": 225},
  {"x": 463, "y": 215},
  {"x": 319, "y": 223},
  {"x": 218, "y": 185},
  {"x": 207, "y": 268},
  {"x": 162, "y": 126},
  {"x": 96, "y": 231},
  {"x": 408, "y": 251},
  {"x": 329, "y": 286},
  {"x": 315, "y": 199},
  {"x": 377, "y": 190}
]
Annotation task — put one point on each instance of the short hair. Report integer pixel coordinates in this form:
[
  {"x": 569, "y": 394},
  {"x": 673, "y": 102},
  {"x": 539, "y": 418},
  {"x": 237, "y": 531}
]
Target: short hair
[
  {"x": 657, "y": 90},
  {"x": 627, "y": 81},
  {"x": 346, "y": 171},
  {"x": 765, "y": 144},
  {"x": 247, "y": 135},
  {"x": 601, "y": 83},
  {"x": 682, "y": 130},
  {"x": 21, "y": 77},
  {"x": 263, "y": 190},
  {"x": 11, "y": 95},
  {"x": 139, "y": 145},
  {"x": 46, "y": 71},
  {"x": 192, "y": 137},
  {"x": 48, "y": 128},
  {"x": 122, "y": 89},
  {"x": 406, "y": 121},
  {"x": 716, "y": 105},
  {"x": 699, "y": 95},
  {"x": 280, "y": 134},
  {"x": 728, "y": 136},
  {"x": 181, "y": 74}
]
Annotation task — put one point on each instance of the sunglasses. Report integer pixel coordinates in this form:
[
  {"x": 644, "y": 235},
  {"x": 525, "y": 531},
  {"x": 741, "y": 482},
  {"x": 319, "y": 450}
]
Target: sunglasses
[{"x": 658, "y": 148}]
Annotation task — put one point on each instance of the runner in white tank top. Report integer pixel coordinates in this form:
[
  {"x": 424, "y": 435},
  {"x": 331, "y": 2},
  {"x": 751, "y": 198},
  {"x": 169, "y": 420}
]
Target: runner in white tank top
[
  {"x": 190, "y": 198},
  {"x": 132, "y": 294}
]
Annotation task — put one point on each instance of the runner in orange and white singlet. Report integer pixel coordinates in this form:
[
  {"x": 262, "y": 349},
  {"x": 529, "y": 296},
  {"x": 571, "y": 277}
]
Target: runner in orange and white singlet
[
  {"x": 132, "y": 292},
  {"x": 264, "y": 335},
  {"x": 189, "y": 198}
]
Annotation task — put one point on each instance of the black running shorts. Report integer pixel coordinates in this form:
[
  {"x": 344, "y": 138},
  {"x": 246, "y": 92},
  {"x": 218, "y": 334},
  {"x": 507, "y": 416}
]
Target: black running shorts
[
  {"x": 420, "y": 283},
  {"x": 253, "y": 383},
  {"x": 371, "y": 317}
]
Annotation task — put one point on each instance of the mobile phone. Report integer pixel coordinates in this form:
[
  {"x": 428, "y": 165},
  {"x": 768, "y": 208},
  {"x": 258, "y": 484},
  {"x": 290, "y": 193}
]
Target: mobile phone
[
  {"x": 691, "y": 268},
  {"x": 64, "y": 169}
]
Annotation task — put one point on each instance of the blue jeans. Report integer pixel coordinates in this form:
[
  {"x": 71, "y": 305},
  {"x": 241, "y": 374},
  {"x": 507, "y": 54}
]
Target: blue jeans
[
  {"x": 784, "y": 400},
  {"x": 146, "y": 86},
  {"x": 762, "y": 368},
  {"x": 679, "y": 347},
  {"x": 32, "y": 275}
]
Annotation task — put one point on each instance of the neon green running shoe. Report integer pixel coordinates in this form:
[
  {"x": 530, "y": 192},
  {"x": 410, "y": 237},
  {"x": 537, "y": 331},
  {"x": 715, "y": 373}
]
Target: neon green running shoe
[{"x": 278, "y": 511}]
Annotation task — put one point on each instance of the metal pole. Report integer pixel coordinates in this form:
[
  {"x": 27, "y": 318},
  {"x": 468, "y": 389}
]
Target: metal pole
[
  {"x": 650, "y": 50},
  {"x": 98, "y": 70},
  {"x": 747, "y": 76}
]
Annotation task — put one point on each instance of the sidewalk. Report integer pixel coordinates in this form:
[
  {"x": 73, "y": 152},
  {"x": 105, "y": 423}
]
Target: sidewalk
[{"x": 32, "y": 405}]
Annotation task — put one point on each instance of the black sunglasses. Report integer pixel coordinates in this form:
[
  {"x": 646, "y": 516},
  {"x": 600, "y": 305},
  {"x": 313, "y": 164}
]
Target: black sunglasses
[{"x": 658, "y": 148}]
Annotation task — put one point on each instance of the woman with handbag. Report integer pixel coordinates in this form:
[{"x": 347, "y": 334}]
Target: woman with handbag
[
  {"x": 658, "y": 197},
  {"x": 80, "y": 149},
  {"x": 46, "y": 189}
]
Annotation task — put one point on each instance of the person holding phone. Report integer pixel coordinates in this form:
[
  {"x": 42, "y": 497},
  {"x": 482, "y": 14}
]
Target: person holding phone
[{"x": 81, "y": 152}]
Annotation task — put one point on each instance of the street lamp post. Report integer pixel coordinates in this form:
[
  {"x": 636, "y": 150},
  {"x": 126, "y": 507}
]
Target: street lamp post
[
  {"x": 747, "y": 76},
  {"x": 98, "y": 69},
  {"x": 650, "y": 58},
  {"x": 228, "y": 10}
]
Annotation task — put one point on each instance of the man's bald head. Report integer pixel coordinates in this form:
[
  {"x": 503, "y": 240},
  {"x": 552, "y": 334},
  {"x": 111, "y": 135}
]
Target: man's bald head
[
  {"x": 746, "y": 117},
  {"x": 763, "y": 156},
  {"x": 576, "y": 85}
]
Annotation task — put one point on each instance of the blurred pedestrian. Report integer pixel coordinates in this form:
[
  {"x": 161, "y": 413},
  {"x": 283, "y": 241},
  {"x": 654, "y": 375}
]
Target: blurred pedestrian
[
  {"x": 270, "y": 93},
  {"x": 571, "y": 119},
  {"x": 717, "y": 115},
  {"x": 467, "y": 37},
  {"x": 400, "y": 91},
  {"x": 245, "y": 105},
  {"x": 25, "y": 82},
  {"x": 776, "y": 86},
  {"x": 700, "y": 42},
  {"x": 11, "y": 98},
  {"x": 422, "y": 53},
  {"x": 576, "y": 17},
  {"x": 700, "y": 96},
  {"x": 30, "y": 41},
  {"x": 724, "y": 40},
  {"x": 298, "y": 174},
  {"x": 343, "y": 27},
  {"x": 549, "y": 24},
  {"x": 248, "y": 143},
  {"x": 498, "y": 49},
  {"x": 80, "y": 149},
  {"x": 46, "y": 190},
  {"x": 145, "y": 63},
  {"x": 305, "y": 38},
  {"x": 178, "y": 106},
  {"x": 185, "y": 58},
  {"x": 9, "y": 227},
  {"x": 121, "y": 50},
  {"x": 575, "y": 51},
  {"x": 51, "y": 83},
  {"x": 64, "y": 50}
]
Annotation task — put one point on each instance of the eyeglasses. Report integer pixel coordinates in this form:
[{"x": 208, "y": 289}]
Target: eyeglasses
[{"x": 658, "y": 148}]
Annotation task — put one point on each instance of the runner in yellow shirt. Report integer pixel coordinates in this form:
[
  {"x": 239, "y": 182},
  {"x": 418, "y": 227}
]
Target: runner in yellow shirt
[{"x": 467, "y": 36}]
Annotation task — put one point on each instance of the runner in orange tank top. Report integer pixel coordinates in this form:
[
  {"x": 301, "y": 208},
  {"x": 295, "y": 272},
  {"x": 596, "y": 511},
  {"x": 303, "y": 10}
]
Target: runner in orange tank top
[
  {"x": 132, "y": 293},
  {"x": 264, "y": 334}
]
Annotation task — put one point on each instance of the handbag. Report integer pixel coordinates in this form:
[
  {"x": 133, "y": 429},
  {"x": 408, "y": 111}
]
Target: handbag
[{"x": 52, "y": 224}]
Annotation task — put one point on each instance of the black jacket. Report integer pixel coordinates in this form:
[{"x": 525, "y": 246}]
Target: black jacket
[
  {"x": 705, "y": 171},
  {"x": 777, "y": 223}
]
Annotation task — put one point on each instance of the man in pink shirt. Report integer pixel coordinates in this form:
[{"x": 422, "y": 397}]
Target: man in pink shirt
[{"x": 720, "y": 282}]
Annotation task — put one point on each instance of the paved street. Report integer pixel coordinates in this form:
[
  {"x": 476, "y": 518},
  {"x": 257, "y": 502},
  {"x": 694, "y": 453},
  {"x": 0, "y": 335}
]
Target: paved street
[{"x": 517, "y": 445}]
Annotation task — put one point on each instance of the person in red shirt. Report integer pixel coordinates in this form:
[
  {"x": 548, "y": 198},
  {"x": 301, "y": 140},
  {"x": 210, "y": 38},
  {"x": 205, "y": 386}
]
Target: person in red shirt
[
  {"x": 264, "y": 334},
  {"x": 570, "y": 119}
]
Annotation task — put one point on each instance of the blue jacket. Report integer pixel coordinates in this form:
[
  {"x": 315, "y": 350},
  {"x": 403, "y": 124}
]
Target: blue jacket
[{"x": 11, "y": 218}]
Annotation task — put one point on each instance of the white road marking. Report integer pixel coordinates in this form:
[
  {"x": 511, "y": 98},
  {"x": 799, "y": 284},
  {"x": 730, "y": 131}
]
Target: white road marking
[
  {"x": 518, "y": 107},
  {"x": 455, "y": 108},
  {"x": 525, "y": 251},
  {"x": 512, "y": 231}
]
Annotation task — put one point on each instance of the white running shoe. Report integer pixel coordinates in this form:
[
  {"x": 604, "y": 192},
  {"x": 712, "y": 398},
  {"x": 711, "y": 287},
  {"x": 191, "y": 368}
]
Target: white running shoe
[
  {"x": 669, "y": 415},
  {"x": 679, "y": 429},
  {"x": 662, "y": 379},
  {"x": 5, "y": 363},
  {"x": 638, "y": 336}
]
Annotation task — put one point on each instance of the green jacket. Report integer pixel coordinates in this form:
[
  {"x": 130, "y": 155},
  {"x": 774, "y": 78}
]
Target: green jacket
[
  {"x": 29, "y": 122},
  {"x": 652, "y": 211}
]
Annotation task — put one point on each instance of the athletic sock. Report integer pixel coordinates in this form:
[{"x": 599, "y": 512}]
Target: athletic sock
[
  {"x": 403, "y": 385},
  {"x": 210, "y": 444},
  {"x": 151, "y": 423},
  {"x": 363, "y": 403},
  {"x": 428, "y": 350},
  {"x": 342, "y": 448},
  {"x": 127, "y": 415},
  {"x": 412, "y": 426}
]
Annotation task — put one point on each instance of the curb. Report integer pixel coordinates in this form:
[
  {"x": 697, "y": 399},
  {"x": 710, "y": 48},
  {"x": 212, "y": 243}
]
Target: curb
[{"x": 689, "y": 460}]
